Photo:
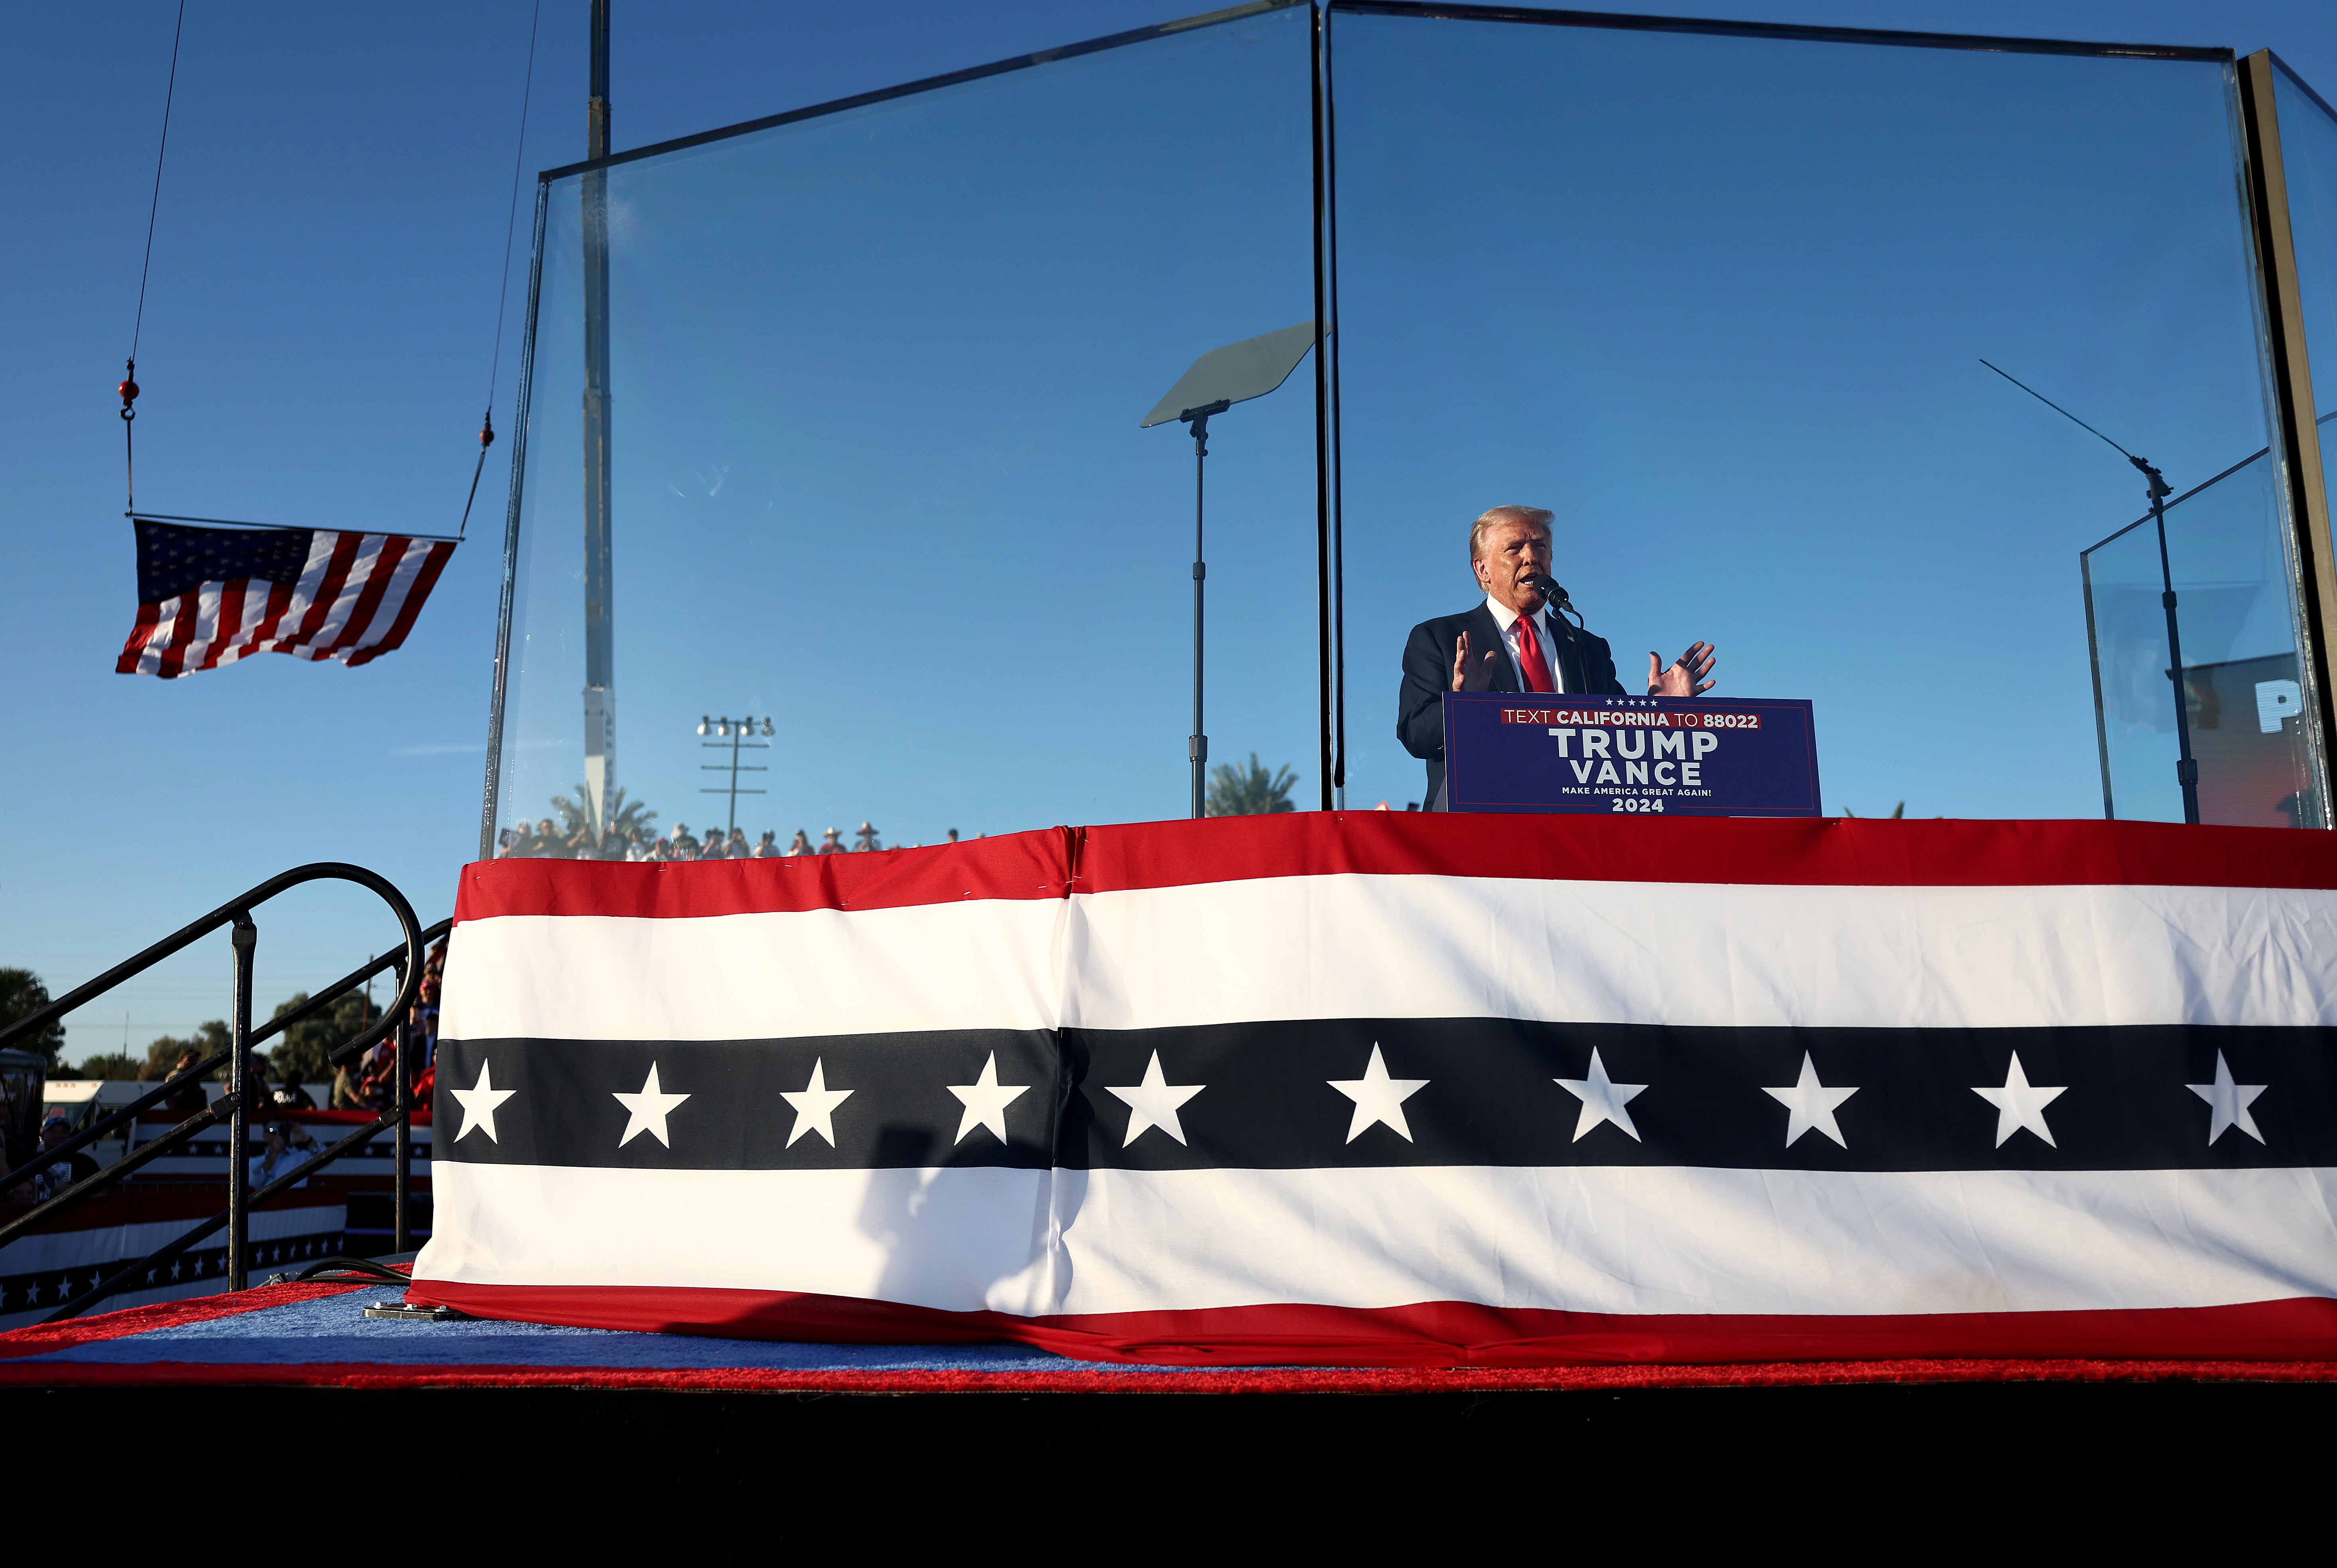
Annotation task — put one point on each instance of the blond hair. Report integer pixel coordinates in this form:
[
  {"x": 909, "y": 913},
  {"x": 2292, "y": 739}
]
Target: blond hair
[{"x": 1497, "y": 516}]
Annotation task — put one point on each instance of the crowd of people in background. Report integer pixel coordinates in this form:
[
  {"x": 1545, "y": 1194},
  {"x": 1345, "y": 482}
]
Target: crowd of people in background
[
  {"x": 369, "y": 1082},
  {"x": 366, "y": 1082},
  {"x": 544, "y": 841}
]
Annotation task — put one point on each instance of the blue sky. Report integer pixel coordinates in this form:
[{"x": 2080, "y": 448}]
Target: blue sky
[{"x": 315, "y": 351}]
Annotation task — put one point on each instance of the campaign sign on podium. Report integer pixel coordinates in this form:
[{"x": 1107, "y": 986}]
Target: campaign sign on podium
[{"x": 1671, "y": 756}]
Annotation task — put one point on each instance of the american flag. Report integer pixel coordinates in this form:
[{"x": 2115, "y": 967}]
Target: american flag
[
  {"x": 208, "y": 596},
  {"x": 1400, "y": 1090}
]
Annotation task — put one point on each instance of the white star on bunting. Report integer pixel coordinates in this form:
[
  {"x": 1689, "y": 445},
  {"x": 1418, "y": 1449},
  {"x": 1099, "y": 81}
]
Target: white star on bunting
[
  {"x": 1602, "y": 1099},
  {"x": 649, "y": 1110},
  {"x": 2020, "y": 1104},
  {"x": 1812, "y": 1103},
  {"x": 985, "y": 1101},
  {"x": 1377, "y": 1097},
  {"x": 1154, "y": 1103},
  {"x": 2229, "y": 1102},
  {"x": 479, "y": 1102},
  {"x": 815, "y": 1105}
]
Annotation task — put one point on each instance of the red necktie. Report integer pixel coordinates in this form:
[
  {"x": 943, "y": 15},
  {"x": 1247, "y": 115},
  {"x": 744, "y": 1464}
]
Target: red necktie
[{"x": 1531, "y": 663}]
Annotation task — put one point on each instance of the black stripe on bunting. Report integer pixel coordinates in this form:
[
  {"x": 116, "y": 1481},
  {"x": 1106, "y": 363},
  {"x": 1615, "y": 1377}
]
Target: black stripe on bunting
[{"x": 1490, "y": 1097}]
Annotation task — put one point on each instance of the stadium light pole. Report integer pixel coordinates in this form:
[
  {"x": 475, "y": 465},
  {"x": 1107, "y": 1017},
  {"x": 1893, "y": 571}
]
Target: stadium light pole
[
  {"x": 1218, "y": 380},
  {"x": 733, "y": 734}
]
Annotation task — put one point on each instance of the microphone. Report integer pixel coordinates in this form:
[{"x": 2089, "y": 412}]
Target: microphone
[{"x": 1550, "y": 589}]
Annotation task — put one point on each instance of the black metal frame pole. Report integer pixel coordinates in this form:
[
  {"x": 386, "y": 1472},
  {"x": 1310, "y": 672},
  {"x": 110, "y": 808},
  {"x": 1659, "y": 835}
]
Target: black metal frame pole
[
  {"x": 1197, "y": 747},
  {"x": 599, "y": 559},
  {"x": 244, "y": 939},
  {"x": 2186, "y": 767},
  {"x": 1329, "y": 777},
  {"x": 402, "y": 1162}
]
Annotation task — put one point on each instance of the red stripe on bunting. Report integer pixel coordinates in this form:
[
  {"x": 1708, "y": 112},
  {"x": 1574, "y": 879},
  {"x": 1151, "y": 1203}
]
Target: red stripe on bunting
[
  {"x": 1014, "y": 866},
  {"x": 1054, "y": 863},
  {"x": 1806, "y": 852},
  {"x": 160, "y": 1372},
  {"x": 917, "y": 1327},
  {"x": 1425, "y": 1334}
]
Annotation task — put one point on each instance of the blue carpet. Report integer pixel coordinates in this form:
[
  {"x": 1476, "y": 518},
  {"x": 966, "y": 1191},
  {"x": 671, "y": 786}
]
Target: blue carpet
[{"x": 334, "y": 1328}]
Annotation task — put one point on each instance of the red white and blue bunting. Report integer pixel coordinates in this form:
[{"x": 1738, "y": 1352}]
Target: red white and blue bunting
[{"x": 1402, "y": 1089}]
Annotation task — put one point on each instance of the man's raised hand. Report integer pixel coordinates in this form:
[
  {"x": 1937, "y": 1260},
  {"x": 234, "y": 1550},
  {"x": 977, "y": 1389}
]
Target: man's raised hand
[
  {"x": 1461, "y": 661},
  {"x": 1680, "y": 679}
]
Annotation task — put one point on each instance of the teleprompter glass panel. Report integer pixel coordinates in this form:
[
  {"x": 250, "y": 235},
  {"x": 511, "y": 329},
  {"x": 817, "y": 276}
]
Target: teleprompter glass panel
[
  {"x": 2228, "y": 559},
  {"x": 1721, "y": 302},
  {"x": 2308, "y": 146},
  {"x": 873, "y": 385}
]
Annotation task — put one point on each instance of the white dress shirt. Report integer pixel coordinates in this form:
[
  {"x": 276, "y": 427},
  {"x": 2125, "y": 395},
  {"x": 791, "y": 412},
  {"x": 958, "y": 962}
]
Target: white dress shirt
[{"x": 1509, "y": 619}]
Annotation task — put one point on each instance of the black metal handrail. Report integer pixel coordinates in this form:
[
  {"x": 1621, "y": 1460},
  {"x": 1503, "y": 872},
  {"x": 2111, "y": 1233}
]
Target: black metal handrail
[
  {"x": 236, "y": 914},
  {"x": 169, "y": 1249},
  {"x": 317, "y": 1003}
]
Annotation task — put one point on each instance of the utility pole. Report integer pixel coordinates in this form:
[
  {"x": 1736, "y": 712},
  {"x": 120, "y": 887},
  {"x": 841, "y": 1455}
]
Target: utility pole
[{"x": 599, "y": 657}]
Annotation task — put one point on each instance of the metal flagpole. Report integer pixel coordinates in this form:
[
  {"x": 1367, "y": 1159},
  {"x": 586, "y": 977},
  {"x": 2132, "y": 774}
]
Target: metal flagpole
[{"x": 599, "y": 662}]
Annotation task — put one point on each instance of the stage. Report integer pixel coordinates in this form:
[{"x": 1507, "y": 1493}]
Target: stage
[
  {"x": 511, "y": 1417},
  {"x": 318, "y": 1336}
]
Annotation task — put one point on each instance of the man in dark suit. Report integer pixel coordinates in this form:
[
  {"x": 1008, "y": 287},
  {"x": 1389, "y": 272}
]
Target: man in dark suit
[{"x": 1513, "y": 642}]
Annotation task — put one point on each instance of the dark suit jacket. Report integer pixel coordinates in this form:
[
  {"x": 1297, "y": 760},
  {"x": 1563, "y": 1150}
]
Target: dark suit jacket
[{"x": 1583, "y": 664}]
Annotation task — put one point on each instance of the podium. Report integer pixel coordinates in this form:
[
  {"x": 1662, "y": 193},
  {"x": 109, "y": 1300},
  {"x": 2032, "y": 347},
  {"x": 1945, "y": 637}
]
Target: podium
[{"x": 1658, "y": 756}]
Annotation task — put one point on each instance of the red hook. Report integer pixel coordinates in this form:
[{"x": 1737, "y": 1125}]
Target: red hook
[{"x": 129, "y": 390}]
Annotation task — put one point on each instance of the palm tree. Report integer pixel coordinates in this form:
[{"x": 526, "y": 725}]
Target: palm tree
[
  {"x": 625, "y": 816},
  {"x": 1251, "y": 791}
]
